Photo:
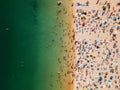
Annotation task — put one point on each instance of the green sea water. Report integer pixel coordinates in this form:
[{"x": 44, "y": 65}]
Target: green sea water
[{"x": 29, "y": 45}]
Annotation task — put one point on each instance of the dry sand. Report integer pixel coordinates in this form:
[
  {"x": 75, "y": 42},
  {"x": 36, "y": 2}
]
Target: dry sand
[{"x": 92, "y": 36}]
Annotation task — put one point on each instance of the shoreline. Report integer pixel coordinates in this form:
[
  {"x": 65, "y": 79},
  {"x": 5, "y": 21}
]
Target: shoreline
[{"x": 69, "y": 49}]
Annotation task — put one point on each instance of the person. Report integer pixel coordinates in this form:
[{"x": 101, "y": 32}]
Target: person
[
  {"x": 59, "y": 3},
  {"x": 78, "y": 4},
  {"x": 87, "y": 3}
]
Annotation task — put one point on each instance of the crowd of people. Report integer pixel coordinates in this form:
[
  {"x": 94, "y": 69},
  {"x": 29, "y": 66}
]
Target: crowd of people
[{"x": 97, "y": 43}]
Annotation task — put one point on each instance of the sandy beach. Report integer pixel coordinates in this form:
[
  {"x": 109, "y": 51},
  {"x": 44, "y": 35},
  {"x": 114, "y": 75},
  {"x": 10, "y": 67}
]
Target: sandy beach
[
  {"x": 97, "y": 45},
  {"x": 92, "y": 46}
]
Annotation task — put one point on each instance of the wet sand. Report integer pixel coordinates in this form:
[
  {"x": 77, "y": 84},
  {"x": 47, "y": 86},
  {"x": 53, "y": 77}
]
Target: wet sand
[{"x": 65, "y": 14}]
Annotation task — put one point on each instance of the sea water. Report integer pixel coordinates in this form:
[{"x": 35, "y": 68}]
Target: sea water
[{"x": 29, "y": 46}]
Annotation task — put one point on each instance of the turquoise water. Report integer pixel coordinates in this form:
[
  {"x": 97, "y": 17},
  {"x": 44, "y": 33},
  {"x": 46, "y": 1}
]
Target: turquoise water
[
  {"x": 29, "y": 45},
  {"x": 49, "y": 46}
]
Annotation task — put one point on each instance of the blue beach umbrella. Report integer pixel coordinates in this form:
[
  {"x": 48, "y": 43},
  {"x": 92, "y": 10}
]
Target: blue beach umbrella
[
  {"x": 100, "y": 79},
  {"x": 111, "y": 77},
  {"x": 114, "y": 18}
]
